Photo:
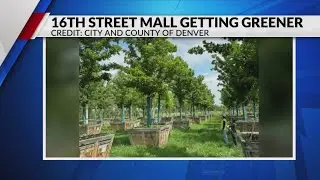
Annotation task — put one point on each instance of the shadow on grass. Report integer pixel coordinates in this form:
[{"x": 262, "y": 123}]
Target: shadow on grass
[{"x": 205, "y": 135}]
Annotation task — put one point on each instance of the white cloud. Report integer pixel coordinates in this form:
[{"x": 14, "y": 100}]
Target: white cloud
[
  {"x": 113, "y": 72},
  {"x": 212, "y": 83},
  {"x": 184, "y": 44},
  {"x": 119, "y": 59},
  {"x": 200, "y": 63}
]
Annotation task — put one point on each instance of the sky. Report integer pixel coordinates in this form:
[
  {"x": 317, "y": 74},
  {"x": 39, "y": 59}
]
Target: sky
[{"x": 201, "y": 64}]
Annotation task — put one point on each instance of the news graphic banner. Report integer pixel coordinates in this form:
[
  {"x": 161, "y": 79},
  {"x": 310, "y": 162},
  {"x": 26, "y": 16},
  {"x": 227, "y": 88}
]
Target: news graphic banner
[{"x": 178, "y": 26}]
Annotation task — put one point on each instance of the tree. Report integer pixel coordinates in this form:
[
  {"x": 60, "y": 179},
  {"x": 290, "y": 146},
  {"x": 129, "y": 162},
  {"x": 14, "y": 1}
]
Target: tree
[
  {"x": 92, "y": 52},
  {"x": 237, "y": 65},
  {"x": 182, "y": 77},
  {"x": 101, "y": 97},
  {"x": 132, "y": 99},
  {"x": 125, "y": 96},
  {"x": 148, "y": 60},
  {"x": 195, "y": 92},
  {"x": 169, "y": 101}
]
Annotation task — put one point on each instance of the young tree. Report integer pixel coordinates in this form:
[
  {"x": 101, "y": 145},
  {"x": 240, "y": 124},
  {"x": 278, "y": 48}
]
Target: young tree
[
  {"x": 92, "y": 52},
  {"x": 237, "y": 65},
  {"x": 124, "y": 95},
  {"x": 132, "y": 100},
  {"x": 148, "y": 60},
  {"x": 101, "y": 97},
  {"x": 182, "y": 77},
  {"x": 169, "y": 102}
]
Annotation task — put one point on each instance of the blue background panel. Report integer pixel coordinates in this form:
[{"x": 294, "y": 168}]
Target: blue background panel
[{"x": 21, "y": 102}]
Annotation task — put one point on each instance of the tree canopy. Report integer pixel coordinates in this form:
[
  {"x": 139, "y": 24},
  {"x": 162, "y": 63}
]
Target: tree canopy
[
  {"x": 151, "y": 69},
  {"x": 237, "y": 65}
]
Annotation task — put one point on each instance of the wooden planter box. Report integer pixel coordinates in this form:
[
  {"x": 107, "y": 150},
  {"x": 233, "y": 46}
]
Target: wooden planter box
[
  {"x": 156, "y": 136},
  {"x": 166, "y": 119},
  {"x": 93, "y": 122},
  {"x": 184, "y": 124},
  {"x": 203, "y": 118},
  {"x": 96, "y": 145},
  {"x": 106, "y": 123},
  {"x": 168, "y": 123},
  {"x": 162, "y": 122},
  {"x": 89, "y": 129},
  {"x": 197, "y": 120},
  {"x": 177, "y": 118},
  {"x": 247, "y": 126},
  {"x": 120, "y": 126},
  {"x": 251, "y": 118},
  {"x": 250, "y": 143},
  {"x": 136, "y": 124}
]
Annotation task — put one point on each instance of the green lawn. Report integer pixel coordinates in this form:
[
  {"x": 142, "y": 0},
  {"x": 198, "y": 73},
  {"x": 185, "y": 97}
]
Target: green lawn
[{"x": 204, "y": 140}]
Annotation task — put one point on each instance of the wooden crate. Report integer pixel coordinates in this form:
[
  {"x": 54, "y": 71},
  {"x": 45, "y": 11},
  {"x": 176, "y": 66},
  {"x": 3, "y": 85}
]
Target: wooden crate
[
  {"x": 92, "y": 122},
  {"x": 88, "y": 148},
  {"x": 247, "y": 126},
  {"x": 203, "y": 118},
  {"x": 136, "y": 123},
  {"x": 89, "y": 129},
  {"x": 250, "y": 143},
  {"x": 106, "y": 123},
  {"x": 96, "y": 145},
  {"x": 156, "y": 136},
  {"x": 94, "y": 129},
  {"x": 120, "y": 126},
  {"x": 197, "y": 120},
  {"x": 169, "y": 123},
  {"x": 184, "y": 124},
  {"x": 177, "y": 118},
  {"x": 104, "y": 145},
  {"x": 166, "y": 119}
]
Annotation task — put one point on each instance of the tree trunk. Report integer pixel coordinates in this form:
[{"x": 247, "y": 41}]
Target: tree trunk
[
  {"x": 122, "y": 112},
  {"x": 180, "y": 103},
  {"x": 100, "y": 115},
  {"x": 159, "y": 100},
  {"x": 130, "y": 112},
  {"x": 193, "y": 110},
  {"x": 84, "y": 114},
  {"x": 237, "y": 111},
  {"x": 254, "y": 110},
  {"x": 243, "y": 112},
  {"x": 149, "y": 118},
  {"x": 87, "y": 114}
]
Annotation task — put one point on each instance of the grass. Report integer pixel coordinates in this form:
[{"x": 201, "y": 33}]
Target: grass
[{"x": 201, "y": 140}]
